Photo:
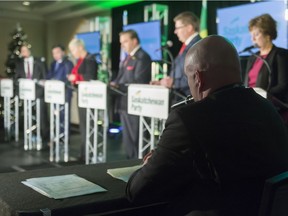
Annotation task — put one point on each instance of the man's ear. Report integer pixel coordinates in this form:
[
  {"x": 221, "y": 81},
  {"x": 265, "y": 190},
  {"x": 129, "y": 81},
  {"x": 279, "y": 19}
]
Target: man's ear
[
  {"x": 190, "y": 28},
  {"x": 199, "y": 80}
]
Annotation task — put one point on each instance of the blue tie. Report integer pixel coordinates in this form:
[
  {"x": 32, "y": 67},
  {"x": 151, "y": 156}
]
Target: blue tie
[{"x": 56, "y": 66}]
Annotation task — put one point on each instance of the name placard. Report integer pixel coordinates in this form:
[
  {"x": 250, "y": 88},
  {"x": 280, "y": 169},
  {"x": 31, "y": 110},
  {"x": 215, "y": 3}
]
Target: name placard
[
  {"x": 148, "y": 100},
  {"x": 26, "y": 89},
  {"x": 92, "y": 94},
  {"x": 6, "y": 88},
  {"x": 54, "y": 92}
]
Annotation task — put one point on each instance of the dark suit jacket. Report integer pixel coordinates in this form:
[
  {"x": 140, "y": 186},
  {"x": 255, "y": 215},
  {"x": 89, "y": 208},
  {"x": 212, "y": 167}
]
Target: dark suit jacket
[
  {"x": 180, "y": 79},
  {"x": 231, "y": 141},
  {"x": 39, "y": 73},
  {"x": 278, "y": 62},
  {"x": 88, "y": 68},
  {"x": 64, "y": 68},
  {"x": 137, "y": 69}
]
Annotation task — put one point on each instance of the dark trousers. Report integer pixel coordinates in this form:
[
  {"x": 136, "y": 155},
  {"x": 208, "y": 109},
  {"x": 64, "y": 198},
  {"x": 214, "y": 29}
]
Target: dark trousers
[
  {"x": 130, "y": 134},
  {"x": 82, "y": 128},
  {"x": 62, "y": 118},
  {"x": 44, "y": 123}
]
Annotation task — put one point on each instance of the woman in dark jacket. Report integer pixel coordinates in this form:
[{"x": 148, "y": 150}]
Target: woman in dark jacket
[
  {"x": 271, "y": 76},
  {"x": 84, "y": 70}
]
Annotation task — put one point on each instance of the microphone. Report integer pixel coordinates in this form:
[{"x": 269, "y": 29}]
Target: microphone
[
  {"x": 248, "y": 48},
  {"x": 169, "y": 43},
  {"x": 96, "y": 54},
  {"x": 187, "y": 100}
]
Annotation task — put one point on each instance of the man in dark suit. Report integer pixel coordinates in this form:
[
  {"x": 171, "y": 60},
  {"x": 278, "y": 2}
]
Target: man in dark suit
[
  {"x": 33, "y": 68},
  {"x": 60, "y": 68},
  {"x": 136, "y": 68},
  {"x": 217, "y": 152},
  {"x": 187, "y": 31}
]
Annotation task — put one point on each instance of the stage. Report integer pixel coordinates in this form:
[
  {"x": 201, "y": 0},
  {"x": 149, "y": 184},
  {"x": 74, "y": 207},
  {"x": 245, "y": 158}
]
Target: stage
[{"x": 13, "y": 157}]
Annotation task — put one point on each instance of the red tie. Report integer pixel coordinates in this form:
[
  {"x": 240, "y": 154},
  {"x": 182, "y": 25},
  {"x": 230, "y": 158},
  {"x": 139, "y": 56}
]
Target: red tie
[
  {"x": 28, "y": 71},
  {"x": 182, "y": 49},
  {"x": 127, "y": 59}
]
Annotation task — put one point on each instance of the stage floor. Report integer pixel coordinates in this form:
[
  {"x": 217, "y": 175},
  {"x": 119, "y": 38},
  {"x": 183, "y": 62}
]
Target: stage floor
[{"x": 13, "y": 157}]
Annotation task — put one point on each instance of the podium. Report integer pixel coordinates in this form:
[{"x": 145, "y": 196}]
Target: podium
[
  {"x": 275, "y": 101},
  {"x": 55, "y": 95},
  {"x": 150, "y": 102},
  {"x": 11, "y": 110},
  {"x": 260, "y": 91},
  {"x": 32, "y": 137},
  {"x": 92, "y": 95}
]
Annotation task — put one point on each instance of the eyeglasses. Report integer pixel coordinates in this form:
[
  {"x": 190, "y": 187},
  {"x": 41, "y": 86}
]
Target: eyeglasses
[{"x": 179, "y": 27}]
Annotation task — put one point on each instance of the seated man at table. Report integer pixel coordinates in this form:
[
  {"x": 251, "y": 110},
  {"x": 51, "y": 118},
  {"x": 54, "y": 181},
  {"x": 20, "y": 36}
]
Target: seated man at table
[{"x": 217, "y": 152}]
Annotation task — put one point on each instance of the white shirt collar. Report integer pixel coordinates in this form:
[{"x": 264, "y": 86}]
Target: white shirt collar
[
  {"x": 59, "y": 61},
  {"x": 29, "y": 59},
  {"x": 191, "y": 38},
  {"x": 132, "y": 53}
]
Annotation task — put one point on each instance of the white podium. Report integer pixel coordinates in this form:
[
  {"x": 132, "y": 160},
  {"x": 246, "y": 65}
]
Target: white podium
[
  {"x": 93, "y": 96},
  {"x": 11, "y": 110},
  {"x": 55, "y": 95},
  {"x": 32, "y": 137},
  {"x": 148, "y": 101},
  {"x": 260, "y": 91}
]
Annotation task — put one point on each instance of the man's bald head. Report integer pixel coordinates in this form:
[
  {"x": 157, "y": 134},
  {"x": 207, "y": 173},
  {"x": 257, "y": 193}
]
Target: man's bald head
[{"x": 211, "y": 64}]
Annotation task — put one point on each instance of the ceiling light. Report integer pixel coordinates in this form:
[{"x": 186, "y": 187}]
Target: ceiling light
[{"x": 26, "y": 3}]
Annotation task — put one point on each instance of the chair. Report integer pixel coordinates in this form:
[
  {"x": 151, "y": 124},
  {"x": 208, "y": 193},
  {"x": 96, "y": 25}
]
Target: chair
[{"x": 275, "y": 196}]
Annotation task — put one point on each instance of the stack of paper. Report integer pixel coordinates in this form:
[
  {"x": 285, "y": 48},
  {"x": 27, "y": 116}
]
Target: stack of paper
[
  {"x": 59, "y": 187},
  {"x": 123, "y": 173}
]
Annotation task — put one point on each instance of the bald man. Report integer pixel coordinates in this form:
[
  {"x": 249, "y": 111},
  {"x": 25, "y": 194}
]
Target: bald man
[{"x": 216, "y": 152}]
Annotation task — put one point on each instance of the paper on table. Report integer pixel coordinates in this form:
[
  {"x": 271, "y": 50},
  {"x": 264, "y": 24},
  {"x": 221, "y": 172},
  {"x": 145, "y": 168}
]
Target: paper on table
[
  {"x": 59, "y": 187},
  {"x": 123, "y": 173}
]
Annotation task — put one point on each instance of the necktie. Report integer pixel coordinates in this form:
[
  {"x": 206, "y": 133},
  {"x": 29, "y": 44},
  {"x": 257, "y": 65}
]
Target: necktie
[
  {"x": 56, "y": 66},
  {"x": 28, "y": 70},
  {"x": 182, "y": 49},
  {"x": 126, "y": 60}
]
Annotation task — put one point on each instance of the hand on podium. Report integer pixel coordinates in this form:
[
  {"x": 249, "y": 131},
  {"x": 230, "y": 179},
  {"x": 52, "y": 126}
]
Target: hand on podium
[
  {"x": 113, "y": 84},
  {"x": 155, "y": 82},
  {"x": 71, "y": 77},
  {"x": 166, "y": 82},
  {"x": 118, "y": 89}
]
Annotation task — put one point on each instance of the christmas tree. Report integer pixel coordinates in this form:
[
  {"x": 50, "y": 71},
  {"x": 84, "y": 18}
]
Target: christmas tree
[{"x": 18, "y": 39}]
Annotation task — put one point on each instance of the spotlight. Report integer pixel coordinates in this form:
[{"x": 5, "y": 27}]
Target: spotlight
[{"x": 114, "y": 130}]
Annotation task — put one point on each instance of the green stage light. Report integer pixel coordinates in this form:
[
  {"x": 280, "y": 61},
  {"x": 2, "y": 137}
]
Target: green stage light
[{"x": 112, "y": 4}]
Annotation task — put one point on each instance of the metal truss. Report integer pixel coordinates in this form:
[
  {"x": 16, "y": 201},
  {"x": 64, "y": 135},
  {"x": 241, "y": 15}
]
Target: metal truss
[
  {"x": 32, "y": 137},
  {"x": 11, "y": 118},
  {"x": 96, "y": 136},
  {"x": 59, "y": 132}
]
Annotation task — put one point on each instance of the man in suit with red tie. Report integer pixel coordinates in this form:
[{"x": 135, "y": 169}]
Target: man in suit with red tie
[
  {"x": 136, "y": 68},
  {"x": 186, "y": 29},
  {"x": 30, "y": 67}
]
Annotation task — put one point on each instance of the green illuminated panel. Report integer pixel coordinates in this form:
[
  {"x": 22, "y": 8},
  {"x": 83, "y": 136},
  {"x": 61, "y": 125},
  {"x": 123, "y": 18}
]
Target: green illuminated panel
[{"x": 112, "y": 4}]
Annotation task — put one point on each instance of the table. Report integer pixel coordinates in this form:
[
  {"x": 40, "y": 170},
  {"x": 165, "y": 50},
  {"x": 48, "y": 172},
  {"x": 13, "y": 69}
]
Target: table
[{"x": 18, "y": 199}]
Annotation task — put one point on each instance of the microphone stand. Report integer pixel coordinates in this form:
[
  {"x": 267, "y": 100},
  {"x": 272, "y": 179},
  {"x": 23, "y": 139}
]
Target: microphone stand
[
  {"x": 278, "y": 103},
  {"x": 172, "y": 69},
  {"x": 171, "y": 58}
]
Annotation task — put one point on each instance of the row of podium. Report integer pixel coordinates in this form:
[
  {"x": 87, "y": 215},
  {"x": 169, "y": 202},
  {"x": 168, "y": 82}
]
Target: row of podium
[{"x": 147, "y": 101}]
